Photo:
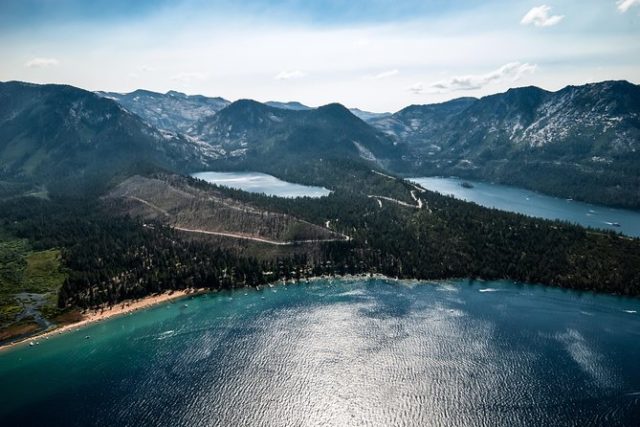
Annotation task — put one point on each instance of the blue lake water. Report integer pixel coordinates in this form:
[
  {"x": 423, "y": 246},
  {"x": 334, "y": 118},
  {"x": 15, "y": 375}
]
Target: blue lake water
[
  {"x": 341, "y": 353},
  {"x": 256, "y": 182},
  {"x": 530, "y": 203}
]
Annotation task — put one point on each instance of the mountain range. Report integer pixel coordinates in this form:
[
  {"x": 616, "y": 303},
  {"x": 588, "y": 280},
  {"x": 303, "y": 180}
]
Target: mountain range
[
  {"x": 172, "y": 111},
  {"x": 581, "y": 142},
  {"x": 67, "y": 137},
  {"x": 272, "y": 139}
]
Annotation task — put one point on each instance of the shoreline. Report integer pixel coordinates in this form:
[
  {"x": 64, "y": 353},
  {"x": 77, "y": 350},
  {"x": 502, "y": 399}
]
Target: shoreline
[
  {"x": 130, "y": 306},
  {"x": 98, "y": 315}
]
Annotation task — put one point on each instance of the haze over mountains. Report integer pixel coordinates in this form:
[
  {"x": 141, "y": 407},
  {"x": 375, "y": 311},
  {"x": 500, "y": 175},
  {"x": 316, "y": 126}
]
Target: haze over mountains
[{"x": 582, "y": 141}]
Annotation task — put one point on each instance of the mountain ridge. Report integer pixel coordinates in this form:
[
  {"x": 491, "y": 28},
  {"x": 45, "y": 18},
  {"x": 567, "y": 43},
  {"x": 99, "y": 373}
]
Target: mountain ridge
[
  {"x": 268, "y": 138},
  {"x": 173, "y": 111},
  {"x": 50, "y": 134},
  {"x": 578, "y": 142}
]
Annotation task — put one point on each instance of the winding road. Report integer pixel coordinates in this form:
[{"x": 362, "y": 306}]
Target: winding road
[{"x": 259, "y": 239}]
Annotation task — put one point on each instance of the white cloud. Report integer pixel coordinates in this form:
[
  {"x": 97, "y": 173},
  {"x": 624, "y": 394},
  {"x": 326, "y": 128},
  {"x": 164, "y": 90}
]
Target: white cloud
[
  {"x": 288, "y": 75},
  {"x": 383, "y": 75},
  {"x": 624, "y": 5},
  {"x": 41, "y": 63},
  {"x": 417, "y": 88},
  {"x": 511, "y": 72},
  {"x": 540, "y": 16},
  {"x": 335, "y": 58}
]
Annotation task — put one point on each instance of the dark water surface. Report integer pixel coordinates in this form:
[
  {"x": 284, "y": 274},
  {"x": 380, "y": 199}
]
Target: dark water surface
[
  {"x": 341, "y": 353},
  {"x": 514, "y": 199}
]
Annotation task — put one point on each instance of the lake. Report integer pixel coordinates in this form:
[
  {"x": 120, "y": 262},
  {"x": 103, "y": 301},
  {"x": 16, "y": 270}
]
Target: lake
[
  {"x": 256, "y": 182},
  {"x": 530, "y": 203},
  {"x": 340, "y": 353}
]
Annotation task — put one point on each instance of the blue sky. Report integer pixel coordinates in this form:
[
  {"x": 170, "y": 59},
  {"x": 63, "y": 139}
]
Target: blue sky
[
  {"x": 322, "y": 12},
  {"x": 378, "y": 54}
]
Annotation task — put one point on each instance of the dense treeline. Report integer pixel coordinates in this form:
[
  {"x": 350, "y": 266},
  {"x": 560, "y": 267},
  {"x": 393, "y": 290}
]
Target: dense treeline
[
  {"x": 110, "y": 259},
  {"x": 452, "y": 238},
  {"x": 468, "y": 241}
]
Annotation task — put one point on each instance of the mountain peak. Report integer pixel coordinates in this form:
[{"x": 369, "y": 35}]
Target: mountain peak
[
  {"x": 335, "y": 109},
  {"x": 246, "y": 105},
  {"x": 290, "y": 105},
  {"x": 66, "y": 137},
  {"x": 176, "y": 93},
  {"x": 143, "y": 92}
]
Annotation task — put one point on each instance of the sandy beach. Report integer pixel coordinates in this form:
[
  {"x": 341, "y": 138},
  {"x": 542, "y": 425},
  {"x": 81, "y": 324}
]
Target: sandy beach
[
  {"x": 93, "y": 316},
  {"x": 129, "y": 306}
]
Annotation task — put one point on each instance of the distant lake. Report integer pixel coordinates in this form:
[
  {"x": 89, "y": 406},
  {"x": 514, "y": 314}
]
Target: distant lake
[
  {"x": 256, "y": 182},
  {"x": 534, "y": 204},
  {"x": 341, "y": 353}
]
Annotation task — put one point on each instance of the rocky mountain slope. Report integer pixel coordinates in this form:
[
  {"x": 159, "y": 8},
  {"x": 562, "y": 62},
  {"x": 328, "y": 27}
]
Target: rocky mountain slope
[
  {"x": 62, "y": 136},
  {"x": 581, "y": 141},
  {"x": 173, "y": 111},
  {"x": 263, "y": 137},
  {"x": 242, "y": 132},
  {"x": 292, "y": 105}
]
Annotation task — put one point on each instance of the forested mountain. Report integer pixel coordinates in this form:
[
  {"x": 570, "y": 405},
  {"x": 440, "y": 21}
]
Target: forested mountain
[
  {"x": 141, "y": 227},
  {"x": 52, "y": 135},
  {"x": 292, "y": 105},
  {"x": 367, "y": 115},
  {"x": 581, "y": 141},
  {"x": 419, "y": 122},
  {"x": 265, "y": 138},
  {"x": 65, "y": 137},
  {"x": 173, "y": 111}
]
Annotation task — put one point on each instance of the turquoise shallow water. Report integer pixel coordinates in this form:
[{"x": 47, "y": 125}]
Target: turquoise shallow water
[
  {"x": 341, "y": 353},
  {"x": 530, "y": 203},
  {"x": 256, "y": 182}
]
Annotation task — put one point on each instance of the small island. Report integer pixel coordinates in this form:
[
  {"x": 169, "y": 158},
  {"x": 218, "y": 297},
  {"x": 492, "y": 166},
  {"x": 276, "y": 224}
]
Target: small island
[{"x": 466, "y": 184}]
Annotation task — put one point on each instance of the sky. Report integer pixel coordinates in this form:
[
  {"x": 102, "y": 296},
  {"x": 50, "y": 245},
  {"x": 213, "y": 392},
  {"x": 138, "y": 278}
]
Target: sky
[{"x": 377, "y": 55}]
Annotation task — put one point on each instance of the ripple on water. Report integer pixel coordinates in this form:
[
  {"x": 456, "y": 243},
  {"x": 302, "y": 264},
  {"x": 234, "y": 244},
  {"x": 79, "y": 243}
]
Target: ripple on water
[{"x": 372, "y": 353}]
